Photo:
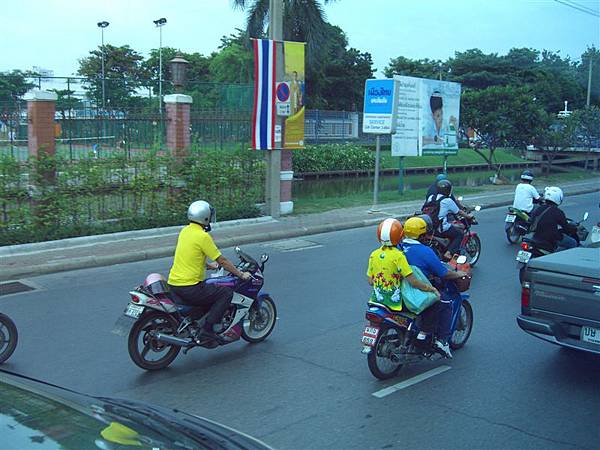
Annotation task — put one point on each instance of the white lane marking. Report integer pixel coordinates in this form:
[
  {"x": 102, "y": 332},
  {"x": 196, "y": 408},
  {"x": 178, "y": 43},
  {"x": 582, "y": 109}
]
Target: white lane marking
[
  {"x": 414, "y": 380},
  {"x": 302, "y": 248}
]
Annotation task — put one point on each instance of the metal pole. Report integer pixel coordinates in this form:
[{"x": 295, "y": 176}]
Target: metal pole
[
  {"x": 445, "y": 162},
  {"x": 160, "y": 72},
  {"x": 589, "y": 86},
  {"x": 401, "y": 179},
  {"x": 103, "y": 91},
  {"x": 376, "y": 180},
  {"x": 274, "y": 156}
]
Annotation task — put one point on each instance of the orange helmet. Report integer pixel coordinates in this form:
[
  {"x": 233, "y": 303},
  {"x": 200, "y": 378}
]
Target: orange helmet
[{"x": 390, "y": 232}]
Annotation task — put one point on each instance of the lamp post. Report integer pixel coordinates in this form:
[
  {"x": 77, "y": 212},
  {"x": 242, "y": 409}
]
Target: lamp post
[
  {"x": 178, "y": 68},
  {"x": 159, "y": 24},
  {"x": 102, "y": 25}
]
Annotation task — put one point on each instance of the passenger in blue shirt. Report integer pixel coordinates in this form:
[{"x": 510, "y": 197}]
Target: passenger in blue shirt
[{"x": 424, "y": 258}]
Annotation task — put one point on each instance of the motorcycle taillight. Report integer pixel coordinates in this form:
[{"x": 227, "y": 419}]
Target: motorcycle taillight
[
  {"x": 372, "y": 317},
  {"x": 135, "y": 298},
  {"x": 525, "y": 246}
]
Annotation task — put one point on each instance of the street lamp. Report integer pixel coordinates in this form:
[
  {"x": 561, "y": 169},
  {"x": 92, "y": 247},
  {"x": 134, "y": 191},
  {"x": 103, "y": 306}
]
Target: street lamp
[
  {"x": 178, "y": 67},
  {"x": 102, "y": 25},
  {"x": 159, "y": 24}
]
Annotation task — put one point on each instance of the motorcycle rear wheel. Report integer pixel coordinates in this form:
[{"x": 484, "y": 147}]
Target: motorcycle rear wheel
[
  {"x": 380, "y": 358},
  {"x": 473, "y": 250},
  {"x": 464, "y": 326},
  {"x": 8, "y": 337},
  {"x": 261, "y": 321},
  {"x": 147, "y": 325},
  {"x": 512, "y": 235}
]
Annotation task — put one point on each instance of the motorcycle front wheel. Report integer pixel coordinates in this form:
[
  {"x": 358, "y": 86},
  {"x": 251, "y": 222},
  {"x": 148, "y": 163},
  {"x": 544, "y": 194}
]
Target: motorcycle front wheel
[
  {"x": 143, "y": 346},
  {"x": 260, "y": 322},
  {"x": 383, "y": 360},
  {"x": 464, "y": 326},
  {"x": 473, "y": 250},
  {"x": 8, "y": 337}
]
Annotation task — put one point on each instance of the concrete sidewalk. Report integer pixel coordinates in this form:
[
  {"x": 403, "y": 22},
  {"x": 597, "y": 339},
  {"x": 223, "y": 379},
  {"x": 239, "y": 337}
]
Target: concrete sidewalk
[{"x": 19, "y": 261}]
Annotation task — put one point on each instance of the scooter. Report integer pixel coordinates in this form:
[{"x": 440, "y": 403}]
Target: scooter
[
  {"x": 389, "y": 339},
  {"x": 516, "y": 225},
  {"x": 8, "y": 337}
]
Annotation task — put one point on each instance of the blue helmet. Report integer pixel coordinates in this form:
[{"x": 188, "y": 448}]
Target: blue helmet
[{"x": 441, "y": 176}]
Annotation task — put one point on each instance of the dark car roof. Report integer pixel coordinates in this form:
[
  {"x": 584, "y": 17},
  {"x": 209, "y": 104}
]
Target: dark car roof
[
  {"x": 35, "y": 414},
  {"x": 580, "y": 261}
]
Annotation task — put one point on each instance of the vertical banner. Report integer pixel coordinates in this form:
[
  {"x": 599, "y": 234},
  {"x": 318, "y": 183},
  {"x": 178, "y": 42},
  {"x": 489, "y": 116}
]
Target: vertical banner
[
  {"x": 263, "y": 116},
  {"x": 293, "y": 55}
]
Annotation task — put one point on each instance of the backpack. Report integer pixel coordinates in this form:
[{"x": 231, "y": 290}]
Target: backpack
[{"x": 432, "y": 209}]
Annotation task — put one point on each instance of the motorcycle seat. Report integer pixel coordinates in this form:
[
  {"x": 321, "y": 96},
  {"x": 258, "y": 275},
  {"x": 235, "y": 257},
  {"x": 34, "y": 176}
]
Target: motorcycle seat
[{"x": 544, "y": 245}]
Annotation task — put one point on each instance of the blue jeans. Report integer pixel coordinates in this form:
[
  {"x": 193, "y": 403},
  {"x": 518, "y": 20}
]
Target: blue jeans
[{"x": 566, "y": 242}]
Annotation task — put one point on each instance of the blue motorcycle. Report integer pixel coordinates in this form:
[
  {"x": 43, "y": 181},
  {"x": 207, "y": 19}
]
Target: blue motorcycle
[
  {"x": 389, "y": 339},
  {"x": 161, "y": 325}
]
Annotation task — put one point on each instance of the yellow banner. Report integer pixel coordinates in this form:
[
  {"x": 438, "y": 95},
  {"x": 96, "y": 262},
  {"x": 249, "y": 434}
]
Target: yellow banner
[{"x": 293, "y": 55}]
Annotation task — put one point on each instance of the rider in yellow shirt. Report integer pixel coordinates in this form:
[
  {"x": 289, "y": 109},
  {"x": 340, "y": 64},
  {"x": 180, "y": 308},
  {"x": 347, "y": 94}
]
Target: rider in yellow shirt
[
  {"x": 186, "y": 278},
  {"x": 387, "y": 267}
]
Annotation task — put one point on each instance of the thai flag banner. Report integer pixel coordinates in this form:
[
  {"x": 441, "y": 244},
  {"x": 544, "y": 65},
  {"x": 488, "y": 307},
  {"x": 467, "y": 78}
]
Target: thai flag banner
[{"x": 263, "y": 117}]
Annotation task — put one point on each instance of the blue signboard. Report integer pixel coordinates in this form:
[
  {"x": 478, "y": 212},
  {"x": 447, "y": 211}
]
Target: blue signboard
[{"x": 378, "y": 106}]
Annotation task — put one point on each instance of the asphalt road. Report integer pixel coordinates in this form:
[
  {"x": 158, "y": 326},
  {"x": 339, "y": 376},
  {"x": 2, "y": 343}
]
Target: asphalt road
[{"x": 308, "y": 385}]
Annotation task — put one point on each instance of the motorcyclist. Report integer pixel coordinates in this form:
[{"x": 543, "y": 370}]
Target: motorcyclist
[
  {"x": 388, "y": 266},
  {"x": 448, "y": 208},
  {"x": 416, "y": 229},
  {"x": 187, "y": 275},
  {"x": 432, "y": 192},
  {"x": 525, "y": 194},
  {"x": 550, "y": 224}
]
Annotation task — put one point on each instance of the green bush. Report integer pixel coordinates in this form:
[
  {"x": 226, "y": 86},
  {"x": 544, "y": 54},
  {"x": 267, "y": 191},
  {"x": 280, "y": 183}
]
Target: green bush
[
  {"x": 331, "y": 157},
  {"x": 53, "y": 198}
]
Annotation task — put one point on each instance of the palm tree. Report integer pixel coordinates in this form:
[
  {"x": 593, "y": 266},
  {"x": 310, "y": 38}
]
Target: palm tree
[{"x": 303, "y": 20}]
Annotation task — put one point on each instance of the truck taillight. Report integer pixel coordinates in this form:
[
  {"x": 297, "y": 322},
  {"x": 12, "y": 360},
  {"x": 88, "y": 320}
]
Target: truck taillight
[{"x": 525, "y": 295}]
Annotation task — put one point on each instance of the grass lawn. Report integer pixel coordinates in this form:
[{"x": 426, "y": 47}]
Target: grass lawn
[
  {"x": 465, "y": 156},
  {"x": 309, "y": 205}
]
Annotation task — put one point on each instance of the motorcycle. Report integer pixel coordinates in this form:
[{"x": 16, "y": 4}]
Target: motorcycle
[
  {"x": 516, "y": 225},
  {"x": 160, "y": 325},
  {"x": 533, "y": 248},
  {"x": 8, "y": 337},
  {"x": 389, "y": 339},
  {"x": 470, "y": 244}
]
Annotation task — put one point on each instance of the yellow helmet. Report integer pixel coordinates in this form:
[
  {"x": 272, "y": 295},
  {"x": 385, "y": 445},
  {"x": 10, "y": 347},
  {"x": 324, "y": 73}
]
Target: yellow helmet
[{"x": 414, "y": 227}]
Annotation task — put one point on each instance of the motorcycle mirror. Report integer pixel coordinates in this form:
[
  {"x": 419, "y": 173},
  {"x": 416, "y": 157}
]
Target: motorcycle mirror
[
  {"x": 264, "y": 258},
  {"x": 585, "y": 216},
  {"x": 461, "y": 259},
  {"x": 478, "y": 208},
  {"x": 460, "y": 199},
  {"x": 238, "y": 250}
]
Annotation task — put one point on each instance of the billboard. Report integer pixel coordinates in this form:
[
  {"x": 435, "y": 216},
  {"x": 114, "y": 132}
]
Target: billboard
[
  {"x": 427, "y": 118},
  {"x": 379, "y": 106}
]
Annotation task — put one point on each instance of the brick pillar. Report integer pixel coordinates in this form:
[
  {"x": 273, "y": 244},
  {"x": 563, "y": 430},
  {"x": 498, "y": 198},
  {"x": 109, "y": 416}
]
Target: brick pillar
[
  {"x": 41, "y": 106},
  {"x": 286, "y": 177},
  {"x": 178, "y": 123}
]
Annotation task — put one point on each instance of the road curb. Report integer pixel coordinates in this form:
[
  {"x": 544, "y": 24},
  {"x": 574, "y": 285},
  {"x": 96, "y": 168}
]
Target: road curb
[{"x": 87, "y": 262}]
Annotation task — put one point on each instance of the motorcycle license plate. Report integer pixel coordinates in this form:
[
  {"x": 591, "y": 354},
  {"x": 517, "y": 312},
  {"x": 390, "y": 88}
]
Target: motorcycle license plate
[
  {"x": 510, "y": 218},
  {"x": 134, "y": 310},
  {"x": 523, "y": 256},
  {"x": 370, "y": 335},
  {"x": 589, "y": 334}
]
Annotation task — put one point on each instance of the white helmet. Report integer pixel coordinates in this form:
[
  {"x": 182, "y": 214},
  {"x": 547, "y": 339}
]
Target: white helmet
[
  {"x": 202, "y": 213},
  {"x": 553, "y": 194}
]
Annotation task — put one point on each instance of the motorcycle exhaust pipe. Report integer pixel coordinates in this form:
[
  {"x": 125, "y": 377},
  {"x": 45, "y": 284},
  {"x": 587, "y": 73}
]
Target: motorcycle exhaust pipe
[{"x": 172, "y": 340}]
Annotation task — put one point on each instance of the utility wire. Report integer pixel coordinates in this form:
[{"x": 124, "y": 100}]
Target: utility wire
[{"x": 578, "y": 7}]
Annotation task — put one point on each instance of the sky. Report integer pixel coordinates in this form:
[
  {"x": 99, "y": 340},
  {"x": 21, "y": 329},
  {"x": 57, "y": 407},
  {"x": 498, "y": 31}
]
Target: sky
[{"x": 55, "y": 34}]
